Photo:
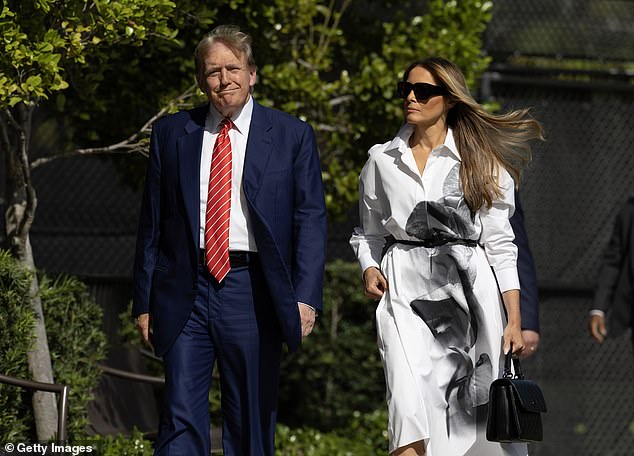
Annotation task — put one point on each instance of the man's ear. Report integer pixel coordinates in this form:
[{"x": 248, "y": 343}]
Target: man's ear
[
  {"x": 253, "y": 77},
  {"x": 200, "y": 85}
]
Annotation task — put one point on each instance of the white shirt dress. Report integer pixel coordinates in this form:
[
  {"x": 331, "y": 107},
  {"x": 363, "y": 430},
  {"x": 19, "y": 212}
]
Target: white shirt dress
[{"x": 440, "y": 323}]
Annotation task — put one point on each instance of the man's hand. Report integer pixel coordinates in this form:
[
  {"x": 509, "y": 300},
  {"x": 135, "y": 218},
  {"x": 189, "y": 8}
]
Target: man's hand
[
  {"x": 596, "y": 326},
  {"x": 374, "y": 284},
  {"x": 307, "y": 315},
  {"x": 143, "y": 325},
  {"x": 531, "y": 343}
]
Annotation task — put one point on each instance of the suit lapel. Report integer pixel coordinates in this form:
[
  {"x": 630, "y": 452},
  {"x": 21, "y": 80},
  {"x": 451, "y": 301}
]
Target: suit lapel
[
  {"x": 258, "y": 152},
  {"x": 189, "y": 153}
]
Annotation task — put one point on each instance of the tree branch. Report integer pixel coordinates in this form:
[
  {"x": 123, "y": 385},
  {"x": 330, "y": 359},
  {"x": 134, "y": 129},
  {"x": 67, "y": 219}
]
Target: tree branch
[
  {"x": 24, "y": 225},
  {"x": 339, "y": 100},
  {"x": 12, "y": 120},
  {"x": 135, "y": 143},
  {"x": 330, "y": 128},
  {"x": 324, "y": 40},
  {"x": 5, "y": 135}
]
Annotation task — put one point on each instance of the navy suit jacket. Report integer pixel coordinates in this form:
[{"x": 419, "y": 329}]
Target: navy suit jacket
[
  {"x": 284, "y": 193},
  {"x": 614, "y": 293},
  {"x": 529, "y": 297}
]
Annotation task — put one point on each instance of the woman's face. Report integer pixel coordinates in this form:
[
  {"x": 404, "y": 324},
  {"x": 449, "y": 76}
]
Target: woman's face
[{"x": 424, "y": 113}]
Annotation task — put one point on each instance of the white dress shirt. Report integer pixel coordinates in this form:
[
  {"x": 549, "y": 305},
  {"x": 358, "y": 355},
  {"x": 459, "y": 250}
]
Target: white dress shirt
[{"x": 240, "y": 229}]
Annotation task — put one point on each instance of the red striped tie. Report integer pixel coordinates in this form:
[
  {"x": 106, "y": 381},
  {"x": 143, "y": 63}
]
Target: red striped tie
[{"x": 219, "y": 205}]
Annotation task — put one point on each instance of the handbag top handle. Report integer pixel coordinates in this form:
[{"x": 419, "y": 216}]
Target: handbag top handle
[{"x": 516, "y": 366}]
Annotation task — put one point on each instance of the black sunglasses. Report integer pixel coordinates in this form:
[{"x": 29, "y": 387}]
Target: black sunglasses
[{"x": 422, "y": 90}]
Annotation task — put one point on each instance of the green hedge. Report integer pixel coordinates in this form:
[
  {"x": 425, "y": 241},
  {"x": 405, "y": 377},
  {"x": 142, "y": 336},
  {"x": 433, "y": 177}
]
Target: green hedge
[
  {"x": 76, "y": 343},
  {"x": 16, "y": 335},
  {"x": 132, "y": 445}
]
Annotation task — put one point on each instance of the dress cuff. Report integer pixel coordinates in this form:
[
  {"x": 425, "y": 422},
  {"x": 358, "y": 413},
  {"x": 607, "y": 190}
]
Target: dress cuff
[
  {"x": 508, "y": 279},
  {"x": 366, "y": 261}
]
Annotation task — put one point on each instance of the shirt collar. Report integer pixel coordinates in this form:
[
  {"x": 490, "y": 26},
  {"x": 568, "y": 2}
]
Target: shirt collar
[
  {"x": 450, "y": 144},
  {"x": 241, "y": 120},
  {"x": 401, "y": 141}
]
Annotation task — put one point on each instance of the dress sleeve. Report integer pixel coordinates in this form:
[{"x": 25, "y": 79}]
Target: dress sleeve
[
  {"x": 368, "y": 240},
  {"x": 497, "y": 235}
]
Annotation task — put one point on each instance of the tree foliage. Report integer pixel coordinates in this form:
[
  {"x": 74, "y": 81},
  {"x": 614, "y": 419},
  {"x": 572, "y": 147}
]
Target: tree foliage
[{"x": 42, "y": 38}]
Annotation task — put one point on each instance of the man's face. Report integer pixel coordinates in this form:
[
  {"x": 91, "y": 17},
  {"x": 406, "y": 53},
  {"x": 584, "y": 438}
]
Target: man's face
[{"x": 226, "y": 79}]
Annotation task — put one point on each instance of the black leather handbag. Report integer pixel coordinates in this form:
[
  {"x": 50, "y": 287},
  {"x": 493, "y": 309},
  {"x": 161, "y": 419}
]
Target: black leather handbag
[{"x": 515, "y": 407}]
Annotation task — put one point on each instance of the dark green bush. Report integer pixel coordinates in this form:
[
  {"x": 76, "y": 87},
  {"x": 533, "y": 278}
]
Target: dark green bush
[
  {"x": 311, "y": 442},
  {"x": 16, "y": 335},
  {"x": 337, "y": 371},
  {"x": 366, "y": 436},
  {"x": 76, "y": 343},
  {"x": 132, "y": 445},
  {"x": 370, "y": 429}
]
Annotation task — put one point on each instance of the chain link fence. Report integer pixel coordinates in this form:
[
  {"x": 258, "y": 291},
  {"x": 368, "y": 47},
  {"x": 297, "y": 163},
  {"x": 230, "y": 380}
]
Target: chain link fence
[{"x": 571, "y": 192}]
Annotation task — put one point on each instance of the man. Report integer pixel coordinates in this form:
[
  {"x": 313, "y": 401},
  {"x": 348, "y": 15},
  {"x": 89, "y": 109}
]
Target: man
[
  {"x": 613, "y": 306},
  {"x": 202, "y": 295},
  {"x": 529, "y": 298}
]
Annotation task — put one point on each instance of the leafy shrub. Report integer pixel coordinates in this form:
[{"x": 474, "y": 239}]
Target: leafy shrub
[
  {"x": 371, "y": 429},
  {"x": 16, "y": 327},
  {"x": 76, "y": 344},
  {"x": 311, "y": 442},
  {"x": 366, "y": 436},
  {"x": 132, "y": 445}
]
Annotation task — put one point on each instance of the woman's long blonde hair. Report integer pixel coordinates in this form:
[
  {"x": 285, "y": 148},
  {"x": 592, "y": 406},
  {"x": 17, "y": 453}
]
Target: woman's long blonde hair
[{"x": 485, "y": 141}]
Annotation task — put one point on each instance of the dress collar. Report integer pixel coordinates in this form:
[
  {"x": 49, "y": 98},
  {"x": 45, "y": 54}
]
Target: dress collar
[{"x": 400, "y": 142}]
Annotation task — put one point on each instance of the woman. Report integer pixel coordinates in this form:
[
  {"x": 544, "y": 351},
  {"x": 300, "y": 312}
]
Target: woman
[{"x": 434, "y": 244}]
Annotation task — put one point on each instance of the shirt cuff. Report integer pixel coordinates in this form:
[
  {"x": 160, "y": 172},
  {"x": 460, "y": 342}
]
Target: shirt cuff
[
  {"x": 507, "y": 279},
  {"x": 366, "y": 261},
  {"x": 309, "y": 306},
  {"x": 598, "y": 312}
]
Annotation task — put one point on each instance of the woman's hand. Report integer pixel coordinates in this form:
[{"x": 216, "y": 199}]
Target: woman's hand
[
  {"x": 513, "y": 335},
  {"x": 374, "y": 284}
]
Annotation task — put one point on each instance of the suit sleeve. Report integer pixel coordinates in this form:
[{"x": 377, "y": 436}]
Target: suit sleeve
[
  {"x": 148, "y": 230},
  {"x": 612, "y": 260},
  {"x": 309, "y": 223},
  {"x": 529, "y": 296}
]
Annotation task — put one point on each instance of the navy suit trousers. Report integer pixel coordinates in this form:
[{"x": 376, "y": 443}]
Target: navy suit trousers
[{"x": 232, "y": 324}]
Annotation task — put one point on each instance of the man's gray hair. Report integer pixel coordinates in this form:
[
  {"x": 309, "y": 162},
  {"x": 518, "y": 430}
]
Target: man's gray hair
[{"x": 229, "y": 35}]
